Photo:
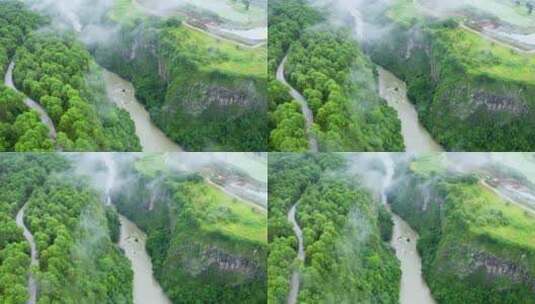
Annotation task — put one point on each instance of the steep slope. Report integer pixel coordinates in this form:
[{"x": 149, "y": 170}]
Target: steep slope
[
  {"x": 204, "y": 244},
  {"x": 475, "y": 246},
  {"x": 203, "y": 92},
  {"x": 471, "y": 92}
]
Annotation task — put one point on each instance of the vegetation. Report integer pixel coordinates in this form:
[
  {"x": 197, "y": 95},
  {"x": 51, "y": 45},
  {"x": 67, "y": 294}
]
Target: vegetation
[
  {"x": 20, "y": 129},
  {"x": 195, "y": 234},
  {"x": 204, "y": 93},
  {"x": 52, "y": 69},
  {"x": 69, "y": 225},
  {"x": 287, "y": 21},
  {"x": 346, "y": 258},
  {"x": 475, "y": 246},
  {"x": 337, "y": 80},
  {"x": 471, "y": 93}
]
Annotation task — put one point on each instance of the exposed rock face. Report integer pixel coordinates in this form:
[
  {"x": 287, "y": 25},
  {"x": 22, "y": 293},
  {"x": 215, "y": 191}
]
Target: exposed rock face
[
  {"x": 198, "y": 258},
  {"x": 226, "y": 262},
  {"x": 495, "y": 103},
  {"x": 203, "y": 95},
  {"x": 496, "y": 267}
]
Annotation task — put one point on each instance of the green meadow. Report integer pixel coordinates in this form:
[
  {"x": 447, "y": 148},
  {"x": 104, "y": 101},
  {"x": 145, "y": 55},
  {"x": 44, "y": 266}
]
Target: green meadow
[{"x": 221, "y": 213}]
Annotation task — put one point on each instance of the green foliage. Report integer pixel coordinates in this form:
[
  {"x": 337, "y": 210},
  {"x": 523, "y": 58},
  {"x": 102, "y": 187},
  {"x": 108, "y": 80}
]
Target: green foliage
[
  {"x": 191, "y": 224},
  {"x": 454, "y": 77},
  {"x": 337, "y": 80},
  {"x": 20, "y": 129},
  {"x": 204, "y": 93},
  {"x": 346, "y": 259},
  {"x": 69, "y": 225},
  {"x": 52, "y": 69},
  {"x": 462, "y": 225}
]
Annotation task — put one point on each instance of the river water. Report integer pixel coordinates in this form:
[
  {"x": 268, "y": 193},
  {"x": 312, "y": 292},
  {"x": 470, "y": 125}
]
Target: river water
[
  {"x": 32, "y": 283},
  {"x": 122, "y": 93},
  {"x": 415, "y": 136},
  {"x": 132, "y": 241},
  {"x": 414, "y": 289},
  {"x": 146, "y": 288},
  {"x": 294, "y": 283}
]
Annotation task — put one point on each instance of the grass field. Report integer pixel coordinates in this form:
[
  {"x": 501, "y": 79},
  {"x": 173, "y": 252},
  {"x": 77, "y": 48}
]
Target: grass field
[
  {"x": 429, "y": 164},
  {"x": 477, "y": 54},
  {"x": 218, "y": 212},
  {"x": 151, "y": 164},
  {"x": 480, "y": 56},
  {"x": 125, "y": 12},
  {"x": 213, "y": 54},
  {"x": 500, "y": 220}
]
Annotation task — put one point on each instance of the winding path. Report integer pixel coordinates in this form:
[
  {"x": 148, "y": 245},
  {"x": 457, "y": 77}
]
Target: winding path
[
  {"x": 8, "y": 80},
  {"x": 307, "y": 112},
  {"x": 32, "y": 283},
  {"x": 294, "y": 283}
]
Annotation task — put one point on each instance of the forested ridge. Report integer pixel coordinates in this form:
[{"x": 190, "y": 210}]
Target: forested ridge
[
  {"x": 338, "y": 81},
  {"x": 71, "y": 230},
  {"x": 20, "y": 129},
  {"x": 346, "y": 257},
  {"x": 56, "y": 71},
  {"x": 195, "y": 234},
  {"x": 475, "y": 247}
]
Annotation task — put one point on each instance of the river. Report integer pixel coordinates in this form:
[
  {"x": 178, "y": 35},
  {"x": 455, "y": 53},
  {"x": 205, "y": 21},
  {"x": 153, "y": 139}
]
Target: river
[
  {"x": 414, "y": 289},
  {"x": 394, "y": 91},
  {"x": 132, "y": 241},
  {"x": 8, "y": 80},
  {"x": 122, "y": 93},
  {"x": 295, "y": 280},
  {"x": 307, "y": 112},
  {"x": 146, "y": 288},
  {"x": 415, "y": 136},
  {"x": 32, "y": 283}
]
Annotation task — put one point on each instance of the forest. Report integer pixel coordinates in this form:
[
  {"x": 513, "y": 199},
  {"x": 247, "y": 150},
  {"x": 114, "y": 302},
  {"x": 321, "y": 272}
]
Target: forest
[
  {"x": 338, "y": 81},
  {"x": 70, "y": 227},
  {"x": 343, "y": 263},
  {"x": 59, "y": 73},
  {"x": 475, "y": 246},
  {"x": 20, "y": 129}
]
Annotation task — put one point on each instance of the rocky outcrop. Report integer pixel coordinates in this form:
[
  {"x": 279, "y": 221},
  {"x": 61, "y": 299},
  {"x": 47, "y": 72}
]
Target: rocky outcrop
[{"x": 495, "y": 268}]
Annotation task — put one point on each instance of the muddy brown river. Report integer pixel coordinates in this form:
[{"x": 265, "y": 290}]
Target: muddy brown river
[
  {"x": 414, "y": 289},
  {"x": 122, "y": 93},
  {"x": 132, "y": 240},
  {"x": 415, "y": 136},
  {"x": 146, "y": 288}
]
